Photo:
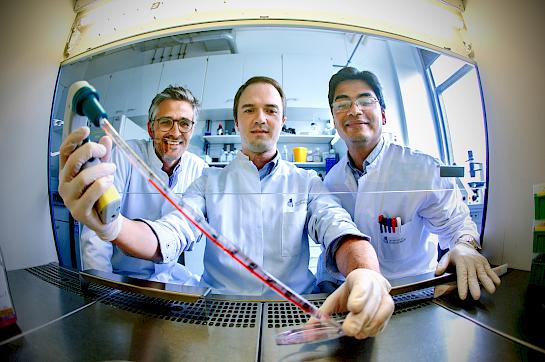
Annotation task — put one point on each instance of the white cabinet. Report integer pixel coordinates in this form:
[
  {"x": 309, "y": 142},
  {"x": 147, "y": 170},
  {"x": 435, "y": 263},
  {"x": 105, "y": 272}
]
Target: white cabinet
[
  {"x": 268, "y": 65},
  {"x": 223, "y": 78},
  {"x": 131, "y": 90},
  {"x": 306, "y": 80},
  {"x": 226, "y": 73},
  {"x": 114, "y": 102},
  {"x": 127, "y": 129},
  {"x": 188, "y": 73},
  {"x": 214, "y": 80},
  {"x": 101, "y": 85},
  {"x": 141, "y": 88}
]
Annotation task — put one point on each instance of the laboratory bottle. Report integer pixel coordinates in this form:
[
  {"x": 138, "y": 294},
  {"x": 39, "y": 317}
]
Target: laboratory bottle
[
  {"x": 328, "y": 129},
  {"x": 207, "y": 132},
  {"x": 309, "y": 156},
  {"x": 330, "y": 160},
  {"x": 317, "y": 156},
  {"x": 219, "y": 131},
  {"x": 7, "y": 311},
  {"x": 230, "y": 156},
  {"x": 314, "y": 128},
  {"x": 285, "y": 154},
  {"x": 223, "y": 157}
]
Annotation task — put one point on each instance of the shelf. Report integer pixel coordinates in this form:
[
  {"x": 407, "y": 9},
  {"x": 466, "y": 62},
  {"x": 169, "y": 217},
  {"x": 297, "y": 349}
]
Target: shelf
[
  {"x": 297, "y": 114},
  {"x": 295, "y": 138},
  {"x": 287, "y": 138},
  {"x": 218, "y": 164},
  {"x": 298, "y": 164},
  {"x": 222, "y": 139},
  {"x": 310, "y": 164}
]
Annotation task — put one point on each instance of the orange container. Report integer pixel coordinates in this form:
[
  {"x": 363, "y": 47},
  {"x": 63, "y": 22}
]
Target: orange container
[{"x": 300, "y": 154}]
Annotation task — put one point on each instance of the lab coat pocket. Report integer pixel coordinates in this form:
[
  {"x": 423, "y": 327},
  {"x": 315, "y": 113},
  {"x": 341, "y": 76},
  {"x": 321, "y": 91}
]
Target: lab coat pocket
[
  {"x": 396, "y": 245},
  {"x": 293, "y": 224}
]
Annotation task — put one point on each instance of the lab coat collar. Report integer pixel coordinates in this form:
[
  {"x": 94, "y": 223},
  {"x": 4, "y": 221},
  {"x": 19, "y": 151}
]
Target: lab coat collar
[
  {"x": 267, "y": 169},
  {"x": 156, "y": 163},
  {"x": 374, "y": 154},
  {"x": 270, "y": 166},
  {"x": 368, "y": 161}
]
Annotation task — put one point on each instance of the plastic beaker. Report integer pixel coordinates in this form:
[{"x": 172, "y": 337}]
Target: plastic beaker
[{"x": 300, "y": 154}]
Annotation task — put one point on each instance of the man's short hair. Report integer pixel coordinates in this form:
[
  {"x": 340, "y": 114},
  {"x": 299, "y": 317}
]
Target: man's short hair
[
  {"x": 176, "y": 93},
  {"x": 351, "y": 73},
  {"x": 259, "y": 79}
]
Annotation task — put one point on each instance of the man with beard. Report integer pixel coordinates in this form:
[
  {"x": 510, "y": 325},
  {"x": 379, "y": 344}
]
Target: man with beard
[
  {"x": 171, "y": 120},
  {"x": 396, "y": 195},
  {"x": 263, "y": 204}
]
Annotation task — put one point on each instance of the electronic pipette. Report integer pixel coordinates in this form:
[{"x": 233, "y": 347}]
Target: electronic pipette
[{"x": 82, "y": 107}]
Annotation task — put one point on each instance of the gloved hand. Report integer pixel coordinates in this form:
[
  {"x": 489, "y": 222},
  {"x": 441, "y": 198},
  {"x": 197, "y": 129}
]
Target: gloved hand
[
  {"x": 365, "y": 295},
  {"x": 471, "y": 267},
  {"x": 80, "y": 190}
]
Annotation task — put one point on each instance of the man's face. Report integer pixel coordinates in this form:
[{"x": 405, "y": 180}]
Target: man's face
[
  {"x": 260, "y": 117},
  {"x": 359, "y": 124},
  {"x": 171, "y": 144}
]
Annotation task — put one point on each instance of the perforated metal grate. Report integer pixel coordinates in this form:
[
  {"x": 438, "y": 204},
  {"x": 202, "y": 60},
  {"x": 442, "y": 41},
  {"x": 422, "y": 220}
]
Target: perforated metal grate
[
  {"x": 284, "y": 314},
  {"x": 203, "y": 312},
  {"x": 413, "y": 300},
  {"x": 219, "y": 313},
  {"x": 67, "y": 280}
]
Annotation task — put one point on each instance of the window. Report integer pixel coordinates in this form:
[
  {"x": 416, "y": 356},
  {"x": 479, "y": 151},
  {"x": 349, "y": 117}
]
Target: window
[
  {"x": 456, "y": 94},
  {"x": 460, "y": 116}
]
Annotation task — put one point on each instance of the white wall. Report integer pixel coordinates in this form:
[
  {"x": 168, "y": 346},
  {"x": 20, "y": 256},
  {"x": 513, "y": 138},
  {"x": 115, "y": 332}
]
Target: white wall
[
  {"x": 33, "y": 34},
  {"x": 507, "y": 37}
]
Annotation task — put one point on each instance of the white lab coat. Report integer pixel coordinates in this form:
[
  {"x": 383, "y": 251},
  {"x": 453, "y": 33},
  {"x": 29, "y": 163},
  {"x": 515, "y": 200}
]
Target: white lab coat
[
  {"x": 403, "y": 183},
  {"x": 269, "y": 220},
  {"x": 141, "y": 200}
]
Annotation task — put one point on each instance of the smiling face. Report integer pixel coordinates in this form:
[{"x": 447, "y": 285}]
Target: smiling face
[
  {"x": 170, "y": 145},
  {"x": 358, "y": 126},
  {"x": 259, "y": 118}
]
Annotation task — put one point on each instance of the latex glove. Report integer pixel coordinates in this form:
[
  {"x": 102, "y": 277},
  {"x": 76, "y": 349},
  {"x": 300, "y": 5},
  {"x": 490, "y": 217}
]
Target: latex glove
[
  {"x": 81, "y": 190},
  {"x": 365, "y": 295},
  {"x": 471, "y": 268}
]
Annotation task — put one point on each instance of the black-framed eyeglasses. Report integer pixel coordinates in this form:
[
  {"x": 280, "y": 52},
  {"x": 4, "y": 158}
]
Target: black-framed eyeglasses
[
  {"x": 166, "y": 123},
  {"x": 344, "y": 105}
]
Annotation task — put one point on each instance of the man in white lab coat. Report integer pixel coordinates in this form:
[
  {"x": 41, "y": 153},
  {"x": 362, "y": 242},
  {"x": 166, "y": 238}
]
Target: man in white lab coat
[
  {"x": 171, "y": 117},
  {"x": 396, "y": 196},
  {"x": 263, "y": 204}
]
